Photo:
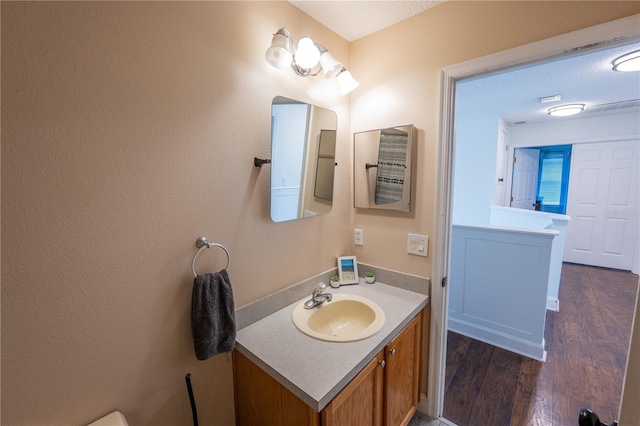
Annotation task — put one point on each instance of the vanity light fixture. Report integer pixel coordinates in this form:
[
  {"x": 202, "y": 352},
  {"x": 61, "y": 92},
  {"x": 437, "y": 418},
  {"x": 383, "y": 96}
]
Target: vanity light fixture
[
  {"x": 308, "y": 59},
  {"x": 566, "y": 110},
  {"x": 627, "y": 62}
]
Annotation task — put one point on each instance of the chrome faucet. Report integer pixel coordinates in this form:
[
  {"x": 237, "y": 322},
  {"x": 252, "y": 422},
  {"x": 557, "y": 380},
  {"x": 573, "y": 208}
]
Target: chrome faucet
[{"x": 318, "y": 297}]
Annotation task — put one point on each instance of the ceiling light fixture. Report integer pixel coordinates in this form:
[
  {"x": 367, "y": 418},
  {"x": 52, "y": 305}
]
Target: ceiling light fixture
[
  {"x": 627, "y": 62},
  {"x": 566, "y": 110},
  {"x": 308, "y": 60}
]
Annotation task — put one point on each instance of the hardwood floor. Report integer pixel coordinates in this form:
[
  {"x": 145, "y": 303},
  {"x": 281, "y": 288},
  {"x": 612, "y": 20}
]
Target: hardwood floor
[{"x": 586, "y": 342}]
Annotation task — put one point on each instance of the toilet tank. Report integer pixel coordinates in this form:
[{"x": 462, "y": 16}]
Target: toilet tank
[{"x": 112, "y": 419}]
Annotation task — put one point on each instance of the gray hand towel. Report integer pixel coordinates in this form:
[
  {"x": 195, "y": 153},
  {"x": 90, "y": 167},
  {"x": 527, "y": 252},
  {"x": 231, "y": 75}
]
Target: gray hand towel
[{"x": 213, "y": 322}]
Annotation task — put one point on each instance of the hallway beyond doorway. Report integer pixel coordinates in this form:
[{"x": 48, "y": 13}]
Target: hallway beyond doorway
[{"x": 587, "y": 344}]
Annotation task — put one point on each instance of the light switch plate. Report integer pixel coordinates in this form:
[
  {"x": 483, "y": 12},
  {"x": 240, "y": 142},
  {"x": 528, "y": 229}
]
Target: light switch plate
[{"x": 418, "y": 244}]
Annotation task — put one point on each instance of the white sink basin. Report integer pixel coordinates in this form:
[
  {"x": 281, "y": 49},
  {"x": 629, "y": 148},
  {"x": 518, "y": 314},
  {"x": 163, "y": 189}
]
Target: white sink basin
[{"x": 347, "y": 318}]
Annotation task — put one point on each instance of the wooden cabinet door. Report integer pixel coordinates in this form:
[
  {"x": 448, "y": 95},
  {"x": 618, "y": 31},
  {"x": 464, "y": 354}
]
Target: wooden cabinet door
[
  {"x": 262, "y": 401},
  {"x": 402, "y": 374},
  {"x": 360, "y": 402}
]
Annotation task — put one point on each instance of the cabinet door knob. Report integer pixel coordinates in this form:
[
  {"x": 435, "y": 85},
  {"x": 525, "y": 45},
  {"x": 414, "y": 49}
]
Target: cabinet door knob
[
  {"x": 382, "y": 363},
  {"x": 392, "y": 351}
]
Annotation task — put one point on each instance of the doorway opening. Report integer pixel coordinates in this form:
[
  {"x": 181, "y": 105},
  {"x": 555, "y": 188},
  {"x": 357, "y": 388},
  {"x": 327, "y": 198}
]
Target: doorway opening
[{"x": 606, "y": 35}]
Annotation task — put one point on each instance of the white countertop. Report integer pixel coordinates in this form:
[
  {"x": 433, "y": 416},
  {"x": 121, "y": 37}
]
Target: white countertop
[{"x": 314, "y": 370}]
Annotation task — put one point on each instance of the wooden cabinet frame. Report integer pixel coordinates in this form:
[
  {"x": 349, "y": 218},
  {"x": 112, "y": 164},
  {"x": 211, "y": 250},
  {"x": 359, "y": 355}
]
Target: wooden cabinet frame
[{"x": 384, "y": 393}]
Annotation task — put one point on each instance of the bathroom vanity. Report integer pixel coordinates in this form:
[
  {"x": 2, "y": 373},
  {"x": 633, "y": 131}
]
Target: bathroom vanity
[{"x": 282, "y": 376}]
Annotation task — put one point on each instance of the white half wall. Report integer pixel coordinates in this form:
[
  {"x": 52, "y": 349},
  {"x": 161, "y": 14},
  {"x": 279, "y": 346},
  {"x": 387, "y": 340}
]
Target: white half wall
[
  {"x": 498, "y": 286},
  {"x": 506, "y": 216}
]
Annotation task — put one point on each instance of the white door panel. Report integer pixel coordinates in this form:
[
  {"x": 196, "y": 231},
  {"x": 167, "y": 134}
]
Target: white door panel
[
  {"x": 603, "y": 204},
  {"x": 612, "y": 243},
  {"x": 500, "y": 193},
  {"x": 524, "y": 186},
  {"x": 583, "y": 233},
  {"x": 587, "y": 189}
]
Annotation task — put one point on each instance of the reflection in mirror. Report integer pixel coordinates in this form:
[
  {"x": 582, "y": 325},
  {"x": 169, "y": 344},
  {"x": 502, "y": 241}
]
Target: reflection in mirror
[
  {"x": 382, "y": 168},
  {"x": 326, "y": 165},
  {"x": 303, "y": 142},
  {"x": 392, "y": 164}
]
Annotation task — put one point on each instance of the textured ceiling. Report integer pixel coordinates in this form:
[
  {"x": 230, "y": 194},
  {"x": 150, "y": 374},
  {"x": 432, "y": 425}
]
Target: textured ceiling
[
  {"x": 585, "y": 78},
  {"x": 355, "y": 19}
]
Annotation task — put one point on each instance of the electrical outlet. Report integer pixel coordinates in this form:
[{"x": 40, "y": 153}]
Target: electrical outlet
[
  {"x": 417, "y": 244},
  {"x": 358, "y": 237}
]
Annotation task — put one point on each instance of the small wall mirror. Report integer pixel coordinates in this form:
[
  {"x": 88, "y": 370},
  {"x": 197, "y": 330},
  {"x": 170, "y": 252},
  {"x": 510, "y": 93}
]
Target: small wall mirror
[
  {"x": 303, "y": 147},
  {"x": 382, "y": 168}
]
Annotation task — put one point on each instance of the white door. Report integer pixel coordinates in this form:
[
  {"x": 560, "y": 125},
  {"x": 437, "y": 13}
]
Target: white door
[
  {"x": 603, "y": 204},
  {"x": 499, "y": 198},
  {"x": 524, "y": 186}
]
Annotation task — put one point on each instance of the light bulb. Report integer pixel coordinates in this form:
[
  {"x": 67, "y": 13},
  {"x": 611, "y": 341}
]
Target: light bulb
[
  {"x": 307, "y": 54},
  {"x": 330, "y": 67},
  {"x": 346, "y": 82}
]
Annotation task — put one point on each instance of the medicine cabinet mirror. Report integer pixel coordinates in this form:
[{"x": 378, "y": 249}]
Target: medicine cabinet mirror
[
  {"x": 383, "y": 168},
  {"x": 303, "y": 147}
]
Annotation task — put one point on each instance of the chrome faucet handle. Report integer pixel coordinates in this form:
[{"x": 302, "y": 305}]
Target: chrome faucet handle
[
  {"x": 317, "y": 298},
  {"x": 318, "y": 289}
]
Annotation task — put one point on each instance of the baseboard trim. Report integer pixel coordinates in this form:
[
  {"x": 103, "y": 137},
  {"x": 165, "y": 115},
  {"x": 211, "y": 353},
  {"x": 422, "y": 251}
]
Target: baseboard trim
[
  {"x": 423, "y": 405},
  {"x": 526, "y": 348}
]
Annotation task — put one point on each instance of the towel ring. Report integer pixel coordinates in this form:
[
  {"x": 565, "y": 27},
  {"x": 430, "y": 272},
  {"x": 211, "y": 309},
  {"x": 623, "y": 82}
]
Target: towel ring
[{"x": 203, "y": 243}]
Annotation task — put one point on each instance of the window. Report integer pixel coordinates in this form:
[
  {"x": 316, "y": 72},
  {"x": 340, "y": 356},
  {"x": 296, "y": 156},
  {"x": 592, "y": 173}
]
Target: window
[{"x": 553, "y": 178}]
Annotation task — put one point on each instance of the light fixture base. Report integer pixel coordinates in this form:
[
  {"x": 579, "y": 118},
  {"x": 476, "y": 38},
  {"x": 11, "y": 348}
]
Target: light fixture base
[
  {"x": 566, "y": 110},
  {"x": 627, "y": 63},
  {"x": 305, "y": 72}
]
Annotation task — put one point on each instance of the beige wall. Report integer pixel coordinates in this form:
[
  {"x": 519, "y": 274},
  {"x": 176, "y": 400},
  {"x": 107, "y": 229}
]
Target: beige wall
[
  {"x": 399, "y": 73},
  {"x": 129, "y": 129}
]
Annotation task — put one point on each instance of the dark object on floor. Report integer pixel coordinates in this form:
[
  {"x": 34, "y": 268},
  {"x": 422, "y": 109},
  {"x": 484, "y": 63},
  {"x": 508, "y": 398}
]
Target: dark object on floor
[
  {"x": 194, "y": 411},
  {"x": 589, "y": 418}
]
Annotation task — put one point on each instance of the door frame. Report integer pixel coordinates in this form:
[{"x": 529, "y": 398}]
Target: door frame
[{"x": 604, "y": 35}]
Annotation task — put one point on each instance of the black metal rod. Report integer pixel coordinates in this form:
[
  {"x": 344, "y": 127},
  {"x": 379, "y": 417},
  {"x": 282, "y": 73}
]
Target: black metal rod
[
  {"x": 258, "y": 162},
  {"x": 368, "y": 166},
  {"x": 194, "y": 411}
]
